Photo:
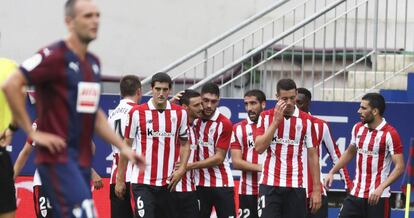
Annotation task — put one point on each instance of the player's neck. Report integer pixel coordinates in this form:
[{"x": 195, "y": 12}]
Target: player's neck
[
  {"x": 77, "y": 47},
  {"x": 158, "y": 106},
  {"x": 375, "y": 123},
  {"x": 131, "y": 98}
]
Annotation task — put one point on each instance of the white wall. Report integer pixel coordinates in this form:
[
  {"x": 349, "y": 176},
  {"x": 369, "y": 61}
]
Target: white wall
[{"x": 135, "y": 36}]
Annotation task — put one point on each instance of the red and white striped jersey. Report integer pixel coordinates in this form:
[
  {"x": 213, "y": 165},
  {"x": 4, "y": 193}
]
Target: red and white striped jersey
[
  {"x": 187, "y": 183},
  {"x": 285, "y": 165},
  {"x": 325, "y": 138},
  {"x": 373, "y": 161},
  {"x": 118, "y": 120},
  {"x": 156, "y": 135},
  {"x": 214, "y": 133},
  {"x": 244, "y": 134}
]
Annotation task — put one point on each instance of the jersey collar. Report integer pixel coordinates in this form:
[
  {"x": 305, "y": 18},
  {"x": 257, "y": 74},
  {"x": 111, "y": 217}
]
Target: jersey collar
[
  {"x": 152, "y": 107},
  {"x": 379, "y": 127}
]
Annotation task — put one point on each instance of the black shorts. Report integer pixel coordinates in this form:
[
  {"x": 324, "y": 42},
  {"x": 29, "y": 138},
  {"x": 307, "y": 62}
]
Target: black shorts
[
  {"x": 121, "y": 207},
  {"x": 222, "y": 198},
  {"x": 322, "y": 212},
  {"x": 185, "y": 205},
  {"x": 281, "y": 202},
  {"x": 152, "y": 201},
  {"x": 42, "y": 206},
  {"x": 248, "y": 206},
  {"x": 7, "y": 189},
  {"x": 359, "y": 207}
]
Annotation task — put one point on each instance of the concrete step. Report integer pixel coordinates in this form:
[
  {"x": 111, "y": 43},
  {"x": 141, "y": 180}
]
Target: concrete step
[
  {"x": 340, "y": 94},
  {"x": 385, "y": 62},
  {"x": 367, "y": 79}
]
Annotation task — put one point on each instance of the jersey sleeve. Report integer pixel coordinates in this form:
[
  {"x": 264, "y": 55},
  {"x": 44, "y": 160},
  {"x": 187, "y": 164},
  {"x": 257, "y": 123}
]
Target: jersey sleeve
[
  {"x": 393, "y": 142},
  {"x": 260, "y": 125},
  {"x": 223, "y": 140},
  {"x": 184, "y": 125},
  {"x": 353, "y": 136},
  {"x": 132, "y": 126},
  {"x": 39, "y": 68},
  {"x": 311, "y": 140},
  {"x": 235, "y": 142}
]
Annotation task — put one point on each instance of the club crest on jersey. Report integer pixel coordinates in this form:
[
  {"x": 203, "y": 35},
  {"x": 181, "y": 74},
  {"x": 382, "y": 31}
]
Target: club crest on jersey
[
  {"x": 44, "y": 213},
  {"x": 141, "y": 212},
  {"x": 151, "y": 132}
]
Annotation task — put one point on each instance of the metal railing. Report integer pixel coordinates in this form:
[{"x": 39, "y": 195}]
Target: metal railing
[
  {"x": 242, "y": 38},
  {"x": 343, "y": 50}
]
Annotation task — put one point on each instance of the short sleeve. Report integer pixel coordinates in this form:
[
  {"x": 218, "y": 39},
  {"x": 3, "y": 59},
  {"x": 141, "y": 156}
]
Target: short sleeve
[
  {"x": 260, "y": 125},
  {"x": 311, "y": 140},
  {"x": 42, "y": 67},
  {"x": 132, "y": 125},
  {"x": 393, "y": 142},
  {"x": 235, "y": 143},
  {"x": 353, "y": 136},
  {"x": 183, "y": 125},
  {"x": 224, "y": 138}
]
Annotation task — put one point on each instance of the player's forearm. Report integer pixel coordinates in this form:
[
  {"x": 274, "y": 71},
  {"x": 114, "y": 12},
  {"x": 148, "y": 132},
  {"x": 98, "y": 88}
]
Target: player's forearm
[
  {"x": 345, "y": 158},
  {"x": 184, "y": 154},
  {"x": 262, "y": 142},
  {"x": 12, "y": 89},
  {"x": 246, "y": 166},
  {"x": 207, "y": 163}
]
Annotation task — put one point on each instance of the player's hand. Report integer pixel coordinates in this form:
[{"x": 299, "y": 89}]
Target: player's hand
[
  {"x": 328, "y": 180},
  {"x": 177, "y": 97},
  {"x": 177, "y": 165},
  {"x": 375, "y": 196},
  {"x": 52, "y": 142},
  {"x": 315, "y": 201},
  {"x": 6, "y": 137},
  {"x": 136, "y": 159},
  {"x": 279, "y": 111},
  {"x": 97, "y": 182},
  {"x": 120, "y": 190},
  {"x": 175, "y": 178}
]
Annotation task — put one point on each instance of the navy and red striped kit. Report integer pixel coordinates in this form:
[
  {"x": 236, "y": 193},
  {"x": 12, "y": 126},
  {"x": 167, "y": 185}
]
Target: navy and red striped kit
[
  {"x": 56, "y": 71},
  {"x": 67, "y": 97}
]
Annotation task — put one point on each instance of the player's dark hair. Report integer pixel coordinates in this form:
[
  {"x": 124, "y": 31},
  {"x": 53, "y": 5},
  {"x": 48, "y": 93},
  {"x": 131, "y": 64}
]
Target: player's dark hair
[
  {"x": 129, "y": 85},
  {"x": 285, "y": 84},
  {"x": 162, "y": 78},
  {"x": 70, "y": 8},
  {"x": 261, "y": 97},
  {"x": 187, "y": 95},
  {"x": 375, "y": 100},
  {"x": 211, "y": 88},
  {"x": 305, "y": 92}
]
